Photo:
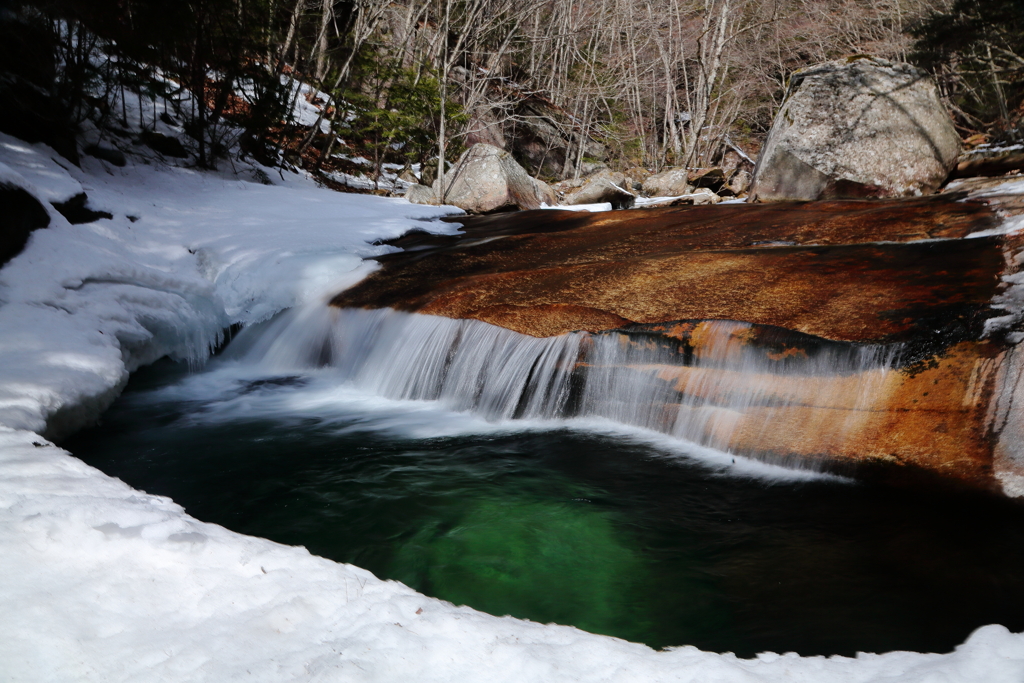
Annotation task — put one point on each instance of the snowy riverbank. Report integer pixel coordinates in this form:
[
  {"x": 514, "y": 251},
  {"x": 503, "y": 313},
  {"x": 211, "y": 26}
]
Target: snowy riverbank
[{"x": 102, "y": 582}]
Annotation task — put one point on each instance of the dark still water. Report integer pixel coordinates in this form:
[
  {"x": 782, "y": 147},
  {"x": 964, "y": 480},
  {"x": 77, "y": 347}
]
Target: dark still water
[{"x": 572, "y": 523}]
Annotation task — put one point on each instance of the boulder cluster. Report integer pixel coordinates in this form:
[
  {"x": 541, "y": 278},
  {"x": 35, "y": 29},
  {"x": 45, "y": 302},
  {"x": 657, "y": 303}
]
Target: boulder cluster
[
  {"x": 487, "y": 179},
  {"x": 854, "y": 128}
]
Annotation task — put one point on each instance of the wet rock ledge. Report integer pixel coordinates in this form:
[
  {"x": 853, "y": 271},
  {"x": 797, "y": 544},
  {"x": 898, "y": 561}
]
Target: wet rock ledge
[{"x": 800, "y": 276}]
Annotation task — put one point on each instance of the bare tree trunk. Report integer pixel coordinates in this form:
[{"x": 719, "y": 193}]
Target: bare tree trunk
[
  {"x": 364, "y": 25},
  {"x": 326, "y": 15},
  {"x": 289, "y": 40},
  {"x": 1000, "y": 98},
  {"x": 441, "y": 139}
]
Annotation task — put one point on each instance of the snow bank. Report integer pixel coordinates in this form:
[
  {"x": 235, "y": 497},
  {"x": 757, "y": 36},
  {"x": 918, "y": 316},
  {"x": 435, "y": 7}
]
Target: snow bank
[
  {"x": 185, "y": 255},
  {"x": 105, "y": 583}
]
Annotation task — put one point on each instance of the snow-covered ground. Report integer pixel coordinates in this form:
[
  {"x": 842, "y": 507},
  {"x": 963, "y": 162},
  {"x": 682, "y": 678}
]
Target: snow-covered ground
[
  {"x": 104, "y": 583},
  {"x": 388, "y": 179}
]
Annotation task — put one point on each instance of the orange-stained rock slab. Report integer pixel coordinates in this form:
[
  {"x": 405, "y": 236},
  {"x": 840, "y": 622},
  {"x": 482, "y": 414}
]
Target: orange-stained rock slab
[
  {"x": 935, "y": 418},
  {"x": 850, "y": 271},
  {"x": 801, "y": 282}
]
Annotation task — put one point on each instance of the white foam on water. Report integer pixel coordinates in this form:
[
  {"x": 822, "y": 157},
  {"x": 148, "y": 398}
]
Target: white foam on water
[
  {"x": 231, "y": 392},
  {"x": 719, "y": 462},
  {"x": 451, "y": 377}
]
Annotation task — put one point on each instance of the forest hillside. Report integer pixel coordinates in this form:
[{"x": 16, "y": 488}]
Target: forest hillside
[{"x": 567, "y": 86}]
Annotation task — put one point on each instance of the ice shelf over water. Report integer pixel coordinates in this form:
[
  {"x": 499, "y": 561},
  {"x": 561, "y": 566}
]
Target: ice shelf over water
[{"x": 101, "y": 582}]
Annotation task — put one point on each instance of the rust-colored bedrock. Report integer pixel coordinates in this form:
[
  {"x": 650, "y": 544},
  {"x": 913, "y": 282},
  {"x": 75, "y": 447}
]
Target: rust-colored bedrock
[{"x": 893, "y": 274}]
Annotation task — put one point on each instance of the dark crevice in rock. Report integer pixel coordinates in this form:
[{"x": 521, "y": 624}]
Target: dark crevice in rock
[
  {"x": 166, "y": 145},
  {"x": 20, "y": 214},
  {"x": 107, "y": 153},
  {"x": 76, "y": 210}
]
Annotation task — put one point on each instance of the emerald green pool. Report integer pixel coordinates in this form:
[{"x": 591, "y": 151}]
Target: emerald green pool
[{"x": 615, "y": 532}]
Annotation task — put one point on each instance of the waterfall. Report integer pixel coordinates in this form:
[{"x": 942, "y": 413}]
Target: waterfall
[{"x": 718, "y": 387}]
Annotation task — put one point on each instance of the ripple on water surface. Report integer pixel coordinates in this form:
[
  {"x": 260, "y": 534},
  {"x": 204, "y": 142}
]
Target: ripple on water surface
[{"x": 608, "y": 532}]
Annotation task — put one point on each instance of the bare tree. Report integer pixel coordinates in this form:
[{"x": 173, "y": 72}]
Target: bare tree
[{"x": 658, "y": 82}]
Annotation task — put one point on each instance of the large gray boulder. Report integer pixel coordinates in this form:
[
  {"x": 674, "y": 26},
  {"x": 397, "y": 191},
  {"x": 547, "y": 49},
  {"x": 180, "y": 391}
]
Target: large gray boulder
[
  {"x": 542, "y": 138},
  {"x": 670, "y": 183},
  {"x": 604, "y": 186},
  {"x": 421, "y": 194},
  {"x": 486, "y": 179},
  {"x": 858, "y": 127},
  {"x": 738, "y": 183}
]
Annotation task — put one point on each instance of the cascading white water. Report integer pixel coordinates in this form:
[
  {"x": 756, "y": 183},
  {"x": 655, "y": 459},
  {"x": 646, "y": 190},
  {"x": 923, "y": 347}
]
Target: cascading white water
[{"x": 725, "y": 393}]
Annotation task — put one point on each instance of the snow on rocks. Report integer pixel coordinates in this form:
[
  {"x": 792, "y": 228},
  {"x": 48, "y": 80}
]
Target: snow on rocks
[
  {"x": 41, "y": 171},
  {"x": 105, "y": 583},
  {"x": 185, "y": 255},
  {"x": 389, "y": 179}
]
